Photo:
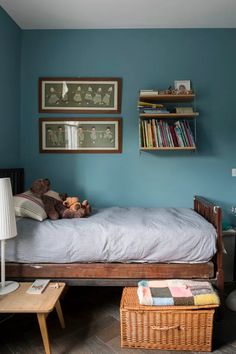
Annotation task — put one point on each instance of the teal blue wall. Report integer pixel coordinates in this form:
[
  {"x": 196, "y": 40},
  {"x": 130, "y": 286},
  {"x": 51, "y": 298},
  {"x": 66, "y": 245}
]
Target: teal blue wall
[
  {"x": 143, "y": 59},
  {"x": 9, "y": 91}
]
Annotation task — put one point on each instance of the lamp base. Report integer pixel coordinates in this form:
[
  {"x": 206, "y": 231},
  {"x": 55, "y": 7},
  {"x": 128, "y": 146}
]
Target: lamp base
[{"x": 9, "y": 287}]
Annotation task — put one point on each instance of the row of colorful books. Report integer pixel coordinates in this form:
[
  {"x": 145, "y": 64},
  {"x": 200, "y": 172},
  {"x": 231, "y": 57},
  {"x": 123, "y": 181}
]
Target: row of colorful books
[{"x": 159, "y": 133}]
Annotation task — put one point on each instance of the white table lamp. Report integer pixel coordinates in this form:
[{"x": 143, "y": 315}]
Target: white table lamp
[{"x": 7, "y": 230}]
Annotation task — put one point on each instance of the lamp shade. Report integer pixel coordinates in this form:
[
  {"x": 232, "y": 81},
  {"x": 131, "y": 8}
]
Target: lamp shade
[{"x": 7, "y": 213}]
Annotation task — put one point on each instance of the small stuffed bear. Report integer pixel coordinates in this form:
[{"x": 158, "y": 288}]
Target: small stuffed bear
[
  {"x": 54, "y": 207},
  {"x": 73, "y": 203}
]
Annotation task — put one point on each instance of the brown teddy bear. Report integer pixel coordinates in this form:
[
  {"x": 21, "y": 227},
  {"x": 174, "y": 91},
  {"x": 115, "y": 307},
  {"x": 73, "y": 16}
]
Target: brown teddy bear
[
  {"x": 73, "y": 203},
  {"x": 54, "y": 207}
]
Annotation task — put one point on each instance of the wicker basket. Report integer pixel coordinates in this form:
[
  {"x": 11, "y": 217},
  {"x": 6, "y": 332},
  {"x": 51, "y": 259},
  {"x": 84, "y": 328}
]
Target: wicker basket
[{"x": 165, "y": 327}]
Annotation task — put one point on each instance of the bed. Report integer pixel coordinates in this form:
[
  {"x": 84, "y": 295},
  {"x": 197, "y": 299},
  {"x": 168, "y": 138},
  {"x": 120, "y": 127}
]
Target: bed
[{"x": 107, "y": 271}]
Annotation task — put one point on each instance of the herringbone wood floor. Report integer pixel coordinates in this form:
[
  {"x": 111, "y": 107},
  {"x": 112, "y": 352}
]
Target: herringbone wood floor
[{"x": 92, "y": 326}]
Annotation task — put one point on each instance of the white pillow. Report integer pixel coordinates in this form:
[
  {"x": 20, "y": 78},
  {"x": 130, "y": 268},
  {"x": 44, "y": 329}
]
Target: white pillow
[{"x": 28, "y": 206}]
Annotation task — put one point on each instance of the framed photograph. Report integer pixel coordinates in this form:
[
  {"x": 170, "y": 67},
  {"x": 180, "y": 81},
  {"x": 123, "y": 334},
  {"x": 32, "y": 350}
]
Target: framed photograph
[
  {"x": 182, "y": 86},
  {"x": 79, "y": 95},
  {"x": 80, "y": 135}
]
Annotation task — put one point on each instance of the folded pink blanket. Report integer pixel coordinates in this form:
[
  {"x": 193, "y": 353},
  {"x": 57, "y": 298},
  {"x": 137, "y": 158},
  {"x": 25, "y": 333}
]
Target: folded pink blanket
[{"x": 176, "y": 292}]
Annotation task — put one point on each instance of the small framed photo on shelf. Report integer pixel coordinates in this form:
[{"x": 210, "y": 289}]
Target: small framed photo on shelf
[
  {"x": 80, "y": 135},
  {"x": 182, "y": 87},
  {"x": 79, "y": 95}
]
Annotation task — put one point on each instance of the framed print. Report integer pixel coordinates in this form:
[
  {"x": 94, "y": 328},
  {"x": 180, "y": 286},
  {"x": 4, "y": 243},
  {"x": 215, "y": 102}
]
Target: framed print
[
  {"x": 182, "y": 86},
  {"x": 80, "y": 135},
  {"x": 79, "y": 95}
]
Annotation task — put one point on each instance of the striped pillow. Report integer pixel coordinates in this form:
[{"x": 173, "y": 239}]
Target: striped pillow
[{"x": 28, "y": 206}]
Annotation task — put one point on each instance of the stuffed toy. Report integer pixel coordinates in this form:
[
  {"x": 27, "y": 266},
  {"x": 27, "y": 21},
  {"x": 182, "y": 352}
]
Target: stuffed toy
[
  {"x": 53, "y": 202},
  {"x": 73, "y": 203},
  {"x": 40, "y": 186}
]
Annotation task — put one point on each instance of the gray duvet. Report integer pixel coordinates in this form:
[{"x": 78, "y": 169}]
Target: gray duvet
[{"x": 116, "y": 235}]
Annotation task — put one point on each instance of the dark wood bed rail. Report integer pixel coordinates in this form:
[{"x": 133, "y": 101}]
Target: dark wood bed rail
[
  {"x": 213, "y": 214},
  {"x": 111, "y": 271}
]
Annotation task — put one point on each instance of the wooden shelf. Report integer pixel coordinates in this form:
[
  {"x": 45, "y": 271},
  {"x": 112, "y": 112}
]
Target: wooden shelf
[
  {"x": 168, "y": 133},
  {"x": 153, "y": 96},
  {"x": 167, "y": 148},
  {"x": 168, "y": 115}
]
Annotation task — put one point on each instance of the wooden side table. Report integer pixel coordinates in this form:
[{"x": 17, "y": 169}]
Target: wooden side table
[{"x": 42, "y": 304}]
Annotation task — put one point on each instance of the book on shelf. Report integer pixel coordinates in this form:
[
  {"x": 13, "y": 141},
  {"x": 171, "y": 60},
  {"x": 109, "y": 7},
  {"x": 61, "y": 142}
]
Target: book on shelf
[
  {"x": 154, "y": 111},
  {"x": 187, "y": 133},
  {"x": 141, "y": 140},
  {"x": 159, "y": 133},
  {"x": 174, "y": 138},
  {"x": 148, "y": 91},
  {"x": 179, "y": 136},
  {"x": 149, "y": 104},
  {"x": 170, "y": 136},
  {"x": 150, "y": 134},
  {"x": 163, "y": 135},
  {"x": 165, "y": 132},
  {"x": 142, "y": 134},
  {"x": 182, "y": 133},
  {"x": 154, "y": 133},
  {"x": 184, "y": 110},
  {"x": 190, "y": 134},
  {"x": 145, "y": 134}
]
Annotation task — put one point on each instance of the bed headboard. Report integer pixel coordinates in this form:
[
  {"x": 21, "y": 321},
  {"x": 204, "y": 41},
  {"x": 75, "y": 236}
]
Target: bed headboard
[
  {"x": 17, "y": 178},
  {"x": 209, "y": 211},
  {"x": 213, "y": 214}
]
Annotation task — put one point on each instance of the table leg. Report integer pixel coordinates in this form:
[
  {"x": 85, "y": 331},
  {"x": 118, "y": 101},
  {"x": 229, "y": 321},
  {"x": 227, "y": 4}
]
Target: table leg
[
  {"x": 44, "y": 332},
  {"x": 60, "y": 314}
]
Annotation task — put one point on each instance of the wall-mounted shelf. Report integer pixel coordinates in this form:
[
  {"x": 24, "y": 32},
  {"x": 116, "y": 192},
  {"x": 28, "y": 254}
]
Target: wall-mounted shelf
[{"x": 167, "y": 122}]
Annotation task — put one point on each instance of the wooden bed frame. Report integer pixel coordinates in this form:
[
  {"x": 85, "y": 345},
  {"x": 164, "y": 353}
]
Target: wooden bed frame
[{"x": 120, "y": 274}]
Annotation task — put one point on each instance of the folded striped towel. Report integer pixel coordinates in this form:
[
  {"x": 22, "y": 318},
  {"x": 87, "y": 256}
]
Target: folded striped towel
[{"x": 176, "y": 292}]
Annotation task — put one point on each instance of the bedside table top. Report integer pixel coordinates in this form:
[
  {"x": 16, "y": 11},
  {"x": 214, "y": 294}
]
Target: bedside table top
[
  {"x": 230, "y": 232},
  {"x": 20, "y": 302}
]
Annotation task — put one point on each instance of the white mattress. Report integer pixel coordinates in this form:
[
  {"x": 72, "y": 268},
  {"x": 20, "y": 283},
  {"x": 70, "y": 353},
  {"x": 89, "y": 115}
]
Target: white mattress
[{"x": 116, "y": 235}]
